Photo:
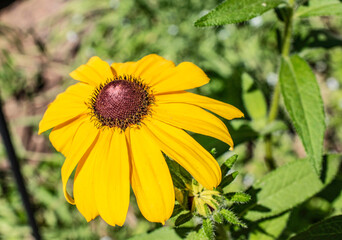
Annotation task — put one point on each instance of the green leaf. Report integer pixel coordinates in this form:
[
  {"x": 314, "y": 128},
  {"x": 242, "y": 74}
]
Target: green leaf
[
  {"x": 337, "y": 204},
  {"x": 218, "y": 217},
  {"x": 286, "y": 187},
  {"x": 329, "y": 229},
  {"x": 253, "y": 98},
  {"x": 161, "y": 233},
  {"x": 228, "y": 179},
  {"x": 320, "y": 8},
  {"x": 238, "y": 197},
  {"x": 200, "y": 235},
  {"x": 178, "y": 173},
  {"x": 177, "y": 181},
  {"x": 270, "y": 229},
  {"x": 304, "y": 104},
  {"x": 208, "y": 228},
  {"x": 186, "y": 217},
  {"x": 235, "y": 11},
  {"x": 177, "y": 210},
  {"x": 228, "y": 164},
  {"x": 232, "y": 218}
]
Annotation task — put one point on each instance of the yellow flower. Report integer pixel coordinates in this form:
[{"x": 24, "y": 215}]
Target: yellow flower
[{"x": 115, "y": 123}]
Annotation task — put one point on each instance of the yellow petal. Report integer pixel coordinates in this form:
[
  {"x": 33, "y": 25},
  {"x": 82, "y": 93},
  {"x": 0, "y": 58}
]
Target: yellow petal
[
  {"x": 127, "y": 68},
  {"x": 185, "y": 76},
  {"x": 182, "y": 148},
  {"x": 84, "y": 186},
  {"x": 223, "y": 109},
  {"x": 151, "y": 179},
  {"x": 84, "y": 141},
  {"x": 151, "y": 66},
  {"x": 67, "y": 105},
  {"x": 96, "y": 71},
  {"x": 192, "y": 118},
  {"x": 147, "y": 69},
  {"x": 162, "y": 75},
  {"x": 112, "y": 183},
  {"x": 62, "y": 136}
]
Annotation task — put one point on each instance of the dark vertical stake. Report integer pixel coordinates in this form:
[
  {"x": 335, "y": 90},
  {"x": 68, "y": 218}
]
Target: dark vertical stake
[{"x": 17, "y": 174}]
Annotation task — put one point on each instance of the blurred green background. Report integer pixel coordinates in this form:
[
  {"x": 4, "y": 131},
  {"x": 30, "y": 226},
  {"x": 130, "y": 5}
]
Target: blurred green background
[{"x": 42, "y": 41}]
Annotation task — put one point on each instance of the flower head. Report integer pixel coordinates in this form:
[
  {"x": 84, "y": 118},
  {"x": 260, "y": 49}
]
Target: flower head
[{"x": 114, "y": 124}]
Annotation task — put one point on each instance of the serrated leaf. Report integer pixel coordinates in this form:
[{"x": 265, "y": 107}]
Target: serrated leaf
[
  {"x": 253, "y": 99},
  {"x": 270, "y": 229},
  {"x": 186, "y": 217},
  {"x": 235, "y": 11},
  {"x": 161, "y": 233},
  {"x": 320, "y": 8},
  {"x": 200, "y": 235},
  {"x": 286, "y": 187},
  {"x": 304, "y": 104},
  {"x": 208, "y": 228},
  {"x": 238, "y": 197},
  {"x": 218, "y": 217},
  {"x": 228, "y": 179},
  {"x": 232, "y": 218},
  {"x": 228, "y": 164},
  {"x": 329, "y": 229}
]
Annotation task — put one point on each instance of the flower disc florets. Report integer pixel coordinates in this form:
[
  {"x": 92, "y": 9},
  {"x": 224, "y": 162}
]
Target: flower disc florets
[{"x": 121, "y": 102}]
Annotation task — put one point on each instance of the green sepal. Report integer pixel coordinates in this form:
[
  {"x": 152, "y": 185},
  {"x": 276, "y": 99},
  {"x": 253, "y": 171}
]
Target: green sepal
[
  {"x": 238, "y": 197},
  {"x": 218, "y": 217},
  {"x": 183, "y": 218},
  {"x": 228, "y": 179},
  {"x": 232, "y": 218},
  {"x": 208, "y": 228},
  {"x": 177, "y": 210},
  {"x": 179, "y": 175},
  {"x": 228, "y": 164}
]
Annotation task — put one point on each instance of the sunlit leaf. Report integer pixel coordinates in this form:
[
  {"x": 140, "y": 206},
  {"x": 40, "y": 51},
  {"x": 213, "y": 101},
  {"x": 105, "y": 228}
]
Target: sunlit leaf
[
  {"x": 200, "y": 235},
  {"x": 235, "y": 11},
  {"x": 329, "y": 229},
  {"x": 286, "y": 187},
  {"x": 320, "y": 8},
  {"x": 304, "y": 104},
  {"x": 161, "y": 233},
  {"x": 270, "y": 229}
]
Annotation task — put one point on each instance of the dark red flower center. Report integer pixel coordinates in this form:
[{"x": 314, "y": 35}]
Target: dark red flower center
[{"x": 121, "y": 102}]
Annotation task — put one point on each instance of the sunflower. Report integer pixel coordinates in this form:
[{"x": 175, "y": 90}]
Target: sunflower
[{"x": 114, "y": 125}]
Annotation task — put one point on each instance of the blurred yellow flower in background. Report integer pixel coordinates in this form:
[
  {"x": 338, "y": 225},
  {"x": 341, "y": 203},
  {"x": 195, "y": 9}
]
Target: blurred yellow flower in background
[{"x": 115, "y": 123}]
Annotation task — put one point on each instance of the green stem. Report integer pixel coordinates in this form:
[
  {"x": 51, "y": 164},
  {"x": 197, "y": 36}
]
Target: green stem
[{"x": 273, "y": 113}]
